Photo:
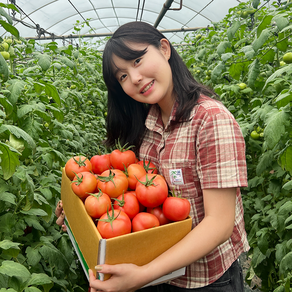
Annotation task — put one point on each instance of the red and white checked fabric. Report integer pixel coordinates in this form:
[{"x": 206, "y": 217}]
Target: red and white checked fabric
[{"x": 207, "y": 151}]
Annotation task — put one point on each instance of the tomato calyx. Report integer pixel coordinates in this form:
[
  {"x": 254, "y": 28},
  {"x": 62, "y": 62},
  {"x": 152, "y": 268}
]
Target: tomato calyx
[
  {"x": 148, "y": 182},
  {"x": 178, "y": 195},
  {"x": 121, "y": 202},
  {"x": 96, "y": 195},
  {"x": 110, "y": 218},
  {"x": 108, "y": 178},
  {"x": 147, "y": 166},
  {"x": 79, "y": 179},
  {"x": 123, "y": 148},
  {"x": 80, "y": 162}
]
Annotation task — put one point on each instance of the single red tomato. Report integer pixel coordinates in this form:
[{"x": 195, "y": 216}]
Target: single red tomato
[
  {"x": 141, "y": 207},
  {"x": 84, "y": 183},
  {"x": 100, "y": 163},
  {"x": 157, "y": 211},
  {"x": 77, "y": 164},
  {"x": 121, "y": 158},
  {"x": 114, "y": 223},
  {"x": 134, "y": 172},
  {"x": 176, "y": 208},
  {"x": 144, "y": 221},
  {"x": 148, "y": 166},
  {"x": 113, "y": 182},
  {"x": 151, "y": 190},
  {"x": 97, "y": 204},
  {"x": 128, "y": 203}
]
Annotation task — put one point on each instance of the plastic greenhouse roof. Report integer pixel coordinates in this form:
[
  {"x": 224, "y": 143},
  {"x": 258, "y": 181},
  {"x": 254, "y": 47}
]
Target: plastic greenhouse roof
[{"x": 58, "y": 17}]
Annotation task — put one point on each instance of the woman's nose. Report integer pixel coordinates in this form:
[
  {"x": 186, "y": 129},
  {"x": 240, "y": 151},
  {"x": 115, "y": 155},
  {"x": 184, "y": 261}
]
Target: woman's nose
[{"x": 136, "y": 77}]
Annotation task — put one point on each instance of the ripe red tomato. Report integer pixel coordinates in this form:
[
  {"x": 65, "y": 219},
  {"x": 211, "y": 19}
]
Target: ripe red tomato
[
  {"x": 176, "y": 208},
  {"x": 141, "y": 207},
  {"x": 113, "y": 182},
  {"x": 114, "y": 223},
  {"x": 77, "y": 164},
  {"x": 134, "y": 172},
  {"x": 128, "y": 203},
  {"x": 144, "y": 221},
  {"x": 157, "y": 211},
  {"x": 148, "y": 166},
  {"x": 83, "y": 184},
  {"x": 97, "y": 204},
  {"x": 151, "y": 190},
  {"x": 100, "y": 163},
  {"x": 122, "y": 158}
]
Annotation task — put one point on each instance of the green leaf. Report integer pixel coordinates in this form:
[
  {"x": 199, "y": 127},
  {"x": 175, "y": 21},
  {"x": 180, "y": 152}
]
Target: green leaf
[
  {"x": 39, "y": 279},
  {"x": 253, "y": 73},
  {"x": 6, "y": 104},
  {"x": 255, "y": 3},
  {"x": 275, "y": 127},
  {"x": 32, "y": 289},
  {"x": 286, "y": 69},
  {"x": 259, "y": 42},
  {"x": 286, "y": 264},
  {"x": 281, "y": 21},
  {"x": 9, "y": 28},
  {"x": 9, "y": 160},
  {"x": 34, "y": 222},
  {"x": 222, "y": 47},
  {"x": 216, "y": 73},
  {"x": 52, "y": 91},
  {"x": 4, "y": 71},
  {"x": 231, "y": 31},
  {"x": 235, "y": 70},
  {"x": 6, "y": 15},
  {"x": 19, "y": 133},
  {"x": 15, "y": 90},
  {"x": 33, "y": 256},
  {"x": 264, "y": 24},
  {"x": 265, "y": 162},
  {"x": 44, "y": 60},
  {"x": 13, "y": 269},
  {"x": 288, "y": 185},
  {"x": 7, "y": 197},
  {"x": 34, "y": 211},
  {"x": 7, "y": 244}
]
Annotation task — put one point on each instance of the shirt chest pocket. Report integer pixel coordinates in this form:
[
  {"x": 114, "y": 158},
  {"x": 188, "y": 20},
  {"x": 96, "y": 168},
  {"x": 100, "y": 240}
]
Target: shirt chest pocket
[{"x": 181, "y": 177}]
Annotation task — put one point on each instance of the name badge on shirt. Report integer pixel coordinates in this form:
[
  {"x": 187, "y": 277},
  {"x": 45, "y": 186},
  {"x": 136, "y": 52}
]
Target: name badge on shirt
[{"x": 176, "y": 177}]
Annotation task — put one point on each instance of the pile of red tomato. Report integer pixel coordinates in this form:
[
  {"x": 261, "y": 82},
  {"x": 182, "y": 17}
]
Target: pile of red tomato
[{"x": 123, "y": 194}]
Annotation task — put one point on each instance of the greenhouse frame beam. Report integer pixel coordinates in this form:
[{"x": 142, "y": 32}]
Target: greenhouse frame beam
[{"x": 71, "y": 36}]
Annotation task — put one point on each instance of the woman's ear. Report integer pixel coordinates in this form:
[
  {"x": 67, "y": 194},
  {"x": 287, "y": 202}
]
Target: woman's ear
[{"x": 165, "y": 48}]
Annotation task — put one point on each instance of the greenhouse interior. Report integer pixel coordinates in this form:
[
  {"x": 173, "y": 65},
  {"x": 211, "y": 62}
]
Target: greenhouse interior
[{"x": 202, "y": 190}]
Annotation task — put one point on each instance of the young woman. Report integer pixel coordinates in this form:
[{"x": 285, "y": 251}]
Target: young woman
[{"x": 156, "y": 105}]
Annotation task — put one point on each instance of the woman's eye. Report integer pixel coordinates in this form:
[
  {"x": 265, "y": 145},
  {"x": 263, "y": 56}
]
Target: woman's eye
[
  {"x": 123, "y": 77},
  {"x": 137, "y": 61}
]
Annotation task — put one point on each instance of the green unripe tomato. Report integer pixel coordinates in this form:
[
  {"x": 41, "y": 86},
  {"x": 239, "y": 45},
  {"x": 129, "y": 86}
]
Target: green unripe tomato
[
  {"x": 8, "y": 41},
  {"x": 242, "y": 85},
  {"x": 282, "y": 63},
  {"x": 287, "y": 58},
  {"x": 5, "y": 55},
  {"x": 255, "y": 135}
]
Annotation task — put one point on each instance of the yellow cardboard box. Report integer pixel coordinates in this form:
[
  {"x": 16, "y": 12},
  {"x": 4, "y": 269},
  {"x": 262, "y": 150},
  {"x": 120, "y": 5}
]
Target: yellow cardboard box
[{"x": 138, "y": 247}]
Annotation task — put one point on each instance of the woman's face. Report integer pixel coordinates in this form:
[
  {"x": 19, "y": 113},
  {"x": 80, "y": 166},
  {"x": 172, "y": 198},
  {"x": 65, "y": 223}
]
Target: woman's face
[{"x": 147, "y": 79}]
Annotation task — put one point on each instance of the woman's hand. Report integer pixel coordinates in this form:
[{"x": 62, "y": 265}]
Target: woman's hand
[
  {"x": 125, "y": 278},
  {"x": 59, "y": 212}
]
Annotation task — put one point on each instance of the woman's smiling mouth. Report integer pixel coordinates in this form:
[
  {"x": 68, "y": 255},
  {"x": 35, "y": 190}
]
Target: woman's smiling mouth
[{"x": 147, "y": 87}]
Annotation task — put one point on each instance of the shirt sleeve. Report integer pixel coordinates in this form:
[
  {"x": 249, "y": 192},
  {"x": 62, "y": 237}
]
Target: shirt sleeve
[{"x": 220, "y": 148}]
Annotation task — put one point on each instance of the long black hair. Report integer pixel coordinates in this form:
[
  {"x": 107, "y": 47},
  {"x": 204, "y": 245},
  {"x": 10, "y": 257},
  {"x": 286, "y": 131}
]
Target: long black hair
[{"x": 126, "y": 116}]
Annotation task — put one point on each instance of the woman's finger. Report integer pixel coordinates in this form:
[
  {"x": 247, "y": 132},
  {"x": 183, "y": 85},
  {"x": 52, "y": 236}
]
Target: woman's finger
[
  {"x": 60, "y": 219},
  {"x": 59, "y": 208}
]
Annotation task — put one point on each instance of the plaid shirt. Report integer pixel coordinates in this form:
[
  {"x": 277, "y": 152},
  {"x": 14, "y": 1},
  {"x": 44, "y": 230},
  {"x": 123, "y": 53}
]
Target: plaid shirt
[{"x": 207, "y": 151}]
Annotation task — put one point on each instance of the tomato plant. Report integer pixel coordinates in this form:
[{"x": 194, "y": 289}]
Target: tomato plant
[
  {"x": 114, "y": 223},
  {"x": 77, "y": 164},
  {"x": 157, "y": 211},
  {"x": 122, "y": 157},
  {"x": 134, "y": 172},
  {"x": 151, "y": 190},
  {"x": 144, "y": 221},
  {"x": 128, "y": 203},
  {"x": 100, "y": 163},
  {"x": 97, "y": 204},
  {"x": 83, "y": 184},
  {"x": 113, "y": 182}
]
